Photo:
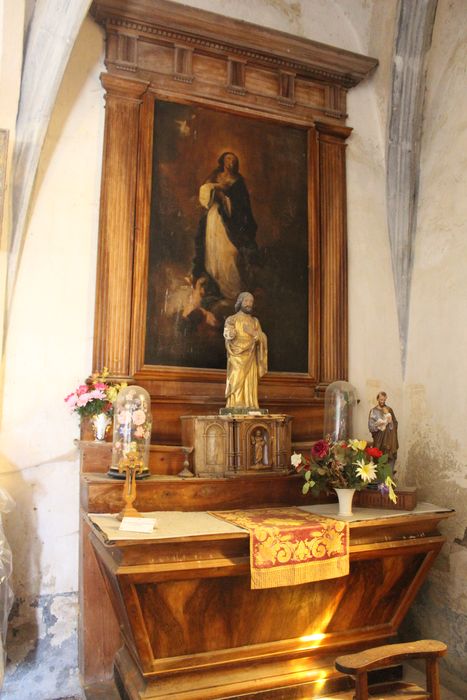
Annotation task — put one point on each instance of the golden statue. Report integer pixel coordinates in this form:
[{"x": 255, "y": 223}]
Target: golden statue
[{"x": 247, "y": 355}]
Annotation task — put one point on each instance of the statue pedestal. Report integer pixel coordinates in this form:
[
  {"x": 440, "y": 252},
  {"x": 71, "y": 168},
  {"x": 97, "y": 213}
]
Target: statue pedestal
[{"x": 238, "y": 445}]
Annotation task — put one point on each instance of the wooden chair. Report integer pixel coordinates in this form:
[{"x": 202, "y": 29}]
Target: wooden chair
[{"x": 358, "y": 666}]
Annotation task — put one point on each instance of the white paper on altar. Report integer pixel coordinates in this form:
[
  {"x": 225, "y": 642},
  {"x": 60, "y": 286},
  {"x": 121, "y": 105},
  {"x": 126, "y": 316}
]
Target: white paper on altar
[{"x": 170, "y": 524}]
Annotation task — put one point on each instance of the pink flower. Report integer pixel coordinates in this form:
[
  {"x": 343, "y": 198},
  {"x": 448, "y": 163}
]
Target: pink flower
[
  {"x": 70, "y": 400},
  {"x": 82, "y": 389},
  {"x": 83, "y": 399},
  {"x": 139, "y": 417},
  {"x": 320, "y": 449},
  {"x": 100, "y": 385},
  {"x": 97, "y": 394}
]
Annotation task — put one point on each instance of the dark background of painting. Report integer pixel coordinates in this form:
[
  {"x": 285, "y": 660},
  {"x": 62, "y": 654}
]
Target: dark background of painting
[{"x": 273, "y": 160}]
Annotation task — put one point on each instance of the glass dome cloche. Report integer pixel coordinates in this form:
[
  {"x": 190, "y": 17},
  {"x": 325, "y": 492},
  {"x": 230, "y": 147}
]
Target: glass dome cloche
[
  {"x": 339, "y": 401},
  {"x": 131, "y": 428}
]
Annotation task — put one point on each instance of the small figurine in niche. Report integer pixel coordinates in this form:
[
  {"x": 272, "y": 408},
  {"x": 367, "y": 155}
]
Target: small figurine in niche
[
  {"x": 382, "y": 424},
  {"x": 259, "y": 443},
  {"x": 247, "y": 355}
]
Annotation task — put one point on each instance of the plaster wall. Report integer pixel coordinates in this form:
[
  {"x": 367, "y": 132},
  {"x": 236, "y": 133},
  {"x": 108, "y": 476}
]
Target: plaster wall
[
  {"x": 11, "y": 43},
  {"x": 49, "y": 344},
  {"x": 48, "y": 351},
  {"x": 435, "y": 399}
]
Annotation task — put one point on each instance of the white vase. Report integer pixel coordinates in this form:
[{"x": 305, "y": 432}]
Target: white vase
[
  {"x": 100, "y": 423},
  {"x": 345, "y": 497}
]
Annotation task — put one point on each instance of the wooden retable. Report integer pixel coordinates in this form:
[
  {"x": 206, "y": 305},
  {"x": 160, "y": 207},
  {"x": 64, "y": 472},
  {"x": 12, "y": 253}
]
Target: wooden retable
[{"x": 193, "y": 628}]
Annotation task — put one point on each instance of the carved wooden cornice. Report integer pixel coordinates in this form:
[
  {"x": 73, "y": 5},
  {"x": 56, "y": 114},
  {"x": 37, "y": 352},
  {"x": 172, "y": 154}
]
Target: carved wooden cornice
[{"x": 210, "y": 33}]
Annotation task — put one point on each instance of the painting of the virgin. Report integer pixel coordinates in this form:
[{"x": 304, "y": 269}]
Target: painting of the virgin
[{"x": 228, "y": 214}]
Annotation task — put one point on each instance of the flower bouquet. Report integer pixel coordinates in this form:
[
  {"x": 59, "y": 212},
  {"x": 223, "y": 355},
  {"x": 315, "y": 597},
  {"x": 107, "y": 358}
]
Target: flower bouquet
[
  {"x": 346, "y": 464},
  {"x": 95, "y": 399}
]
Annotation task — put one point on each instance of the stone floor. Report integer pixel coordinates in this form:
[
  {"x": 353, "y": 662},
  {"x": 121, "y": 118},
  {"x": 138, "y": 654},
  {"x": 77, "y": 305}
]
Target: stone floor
[
  {"x": 411, "y": 674},
  {"x": 415, "y": 676},
  {"x": 108, "y": 692}
]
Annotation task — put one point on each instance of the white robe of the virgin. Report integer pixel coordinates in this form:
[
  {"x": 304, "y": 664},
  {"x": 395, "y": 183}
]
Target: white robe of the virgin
[{"x": 220, "y": 253}]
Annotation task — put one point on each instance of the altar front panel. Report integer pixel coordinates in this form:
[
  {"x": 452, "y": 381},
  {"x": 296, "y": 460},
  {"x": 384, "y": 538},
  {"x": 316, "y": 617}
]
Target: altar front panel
[{"x": 187, "y": 610}]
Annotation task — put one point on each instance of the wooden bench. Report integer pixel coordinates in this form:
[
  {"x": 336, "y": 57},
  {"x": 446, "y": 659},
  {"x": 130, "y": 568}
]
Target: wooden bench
[{"x": 358, "y": 666}]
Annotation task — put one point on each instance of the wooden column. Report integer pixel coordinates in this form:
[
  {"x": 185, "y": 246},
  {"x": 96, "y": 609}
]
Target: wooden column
[
  {"x": 333, "y": 245},
  {"x": 117, "y": 222}
]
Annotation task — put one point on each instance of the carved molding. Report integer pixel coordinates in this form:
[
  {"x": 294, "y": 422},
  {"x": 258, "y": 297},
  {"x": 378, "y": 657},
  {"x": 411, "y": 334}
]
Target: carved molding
[
  {"x": 183, "y": 64},
  {"x": 333, "y": 227},
  {"x": 117, "y": 215},
  {"x": 177, "y": 23}
]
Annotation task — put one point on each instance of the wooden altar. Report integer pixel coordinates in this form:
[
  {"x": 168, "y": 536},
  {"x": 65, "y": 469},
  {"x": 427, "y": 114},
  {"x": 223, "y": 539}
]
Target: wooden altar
[
  {"x": 193, "y": 628},
  {"x": 177, "y": 613}
]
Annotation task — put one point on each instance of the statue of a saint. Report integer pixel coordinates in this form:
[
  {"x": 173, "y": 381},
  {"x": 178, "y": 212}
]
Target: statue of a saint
[
  {"x": 258, "y": 442},
  {"x": 382, "y": 424},
  {"x": 247, "y": 355}
]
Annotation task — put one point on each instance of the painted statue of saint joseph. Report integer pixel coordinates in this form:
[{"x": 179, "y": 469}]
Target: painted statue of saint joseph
[{"x": 247, "y": 355}]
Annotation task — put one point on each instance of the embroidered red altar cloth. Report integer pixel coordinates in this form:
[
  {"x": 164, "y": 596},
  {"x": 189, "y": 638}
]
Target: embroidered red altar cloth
[{"x": 289, "y": 546}]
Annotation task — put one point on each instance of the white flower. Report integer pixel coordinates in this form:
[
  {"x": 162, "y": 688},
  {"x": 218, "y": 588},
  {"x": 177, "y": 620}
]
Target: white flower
[
  {"x": 124, "y": 417},
  {"x": 296, "y": 460},
  {"x": 365, "y": 470}
]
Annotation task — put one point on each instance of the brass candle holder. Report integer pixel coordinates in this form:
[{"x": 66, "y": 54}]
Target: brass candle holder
[
  {"x": 186, "y": 473},
  {"x": 131, "y": 465}
]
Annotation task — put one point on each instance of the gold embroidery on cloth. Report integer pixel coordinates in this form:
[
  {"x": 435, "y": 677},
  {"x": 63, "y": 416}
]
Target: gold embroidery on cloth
[{"x": 290, "y": 546}]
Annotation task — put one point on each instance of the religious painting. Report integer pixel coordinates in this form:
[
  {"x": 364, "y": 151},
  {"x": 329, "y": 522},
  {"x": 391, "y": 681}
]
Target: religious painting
[{"x": 229, "y": 213}]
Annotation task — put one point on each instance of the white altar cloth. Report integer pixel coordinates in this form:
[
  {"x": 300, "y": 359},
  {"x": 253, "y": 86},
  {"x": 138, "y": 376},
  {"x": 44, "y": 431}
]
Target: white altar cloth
[{"x": 179, "y": 525}]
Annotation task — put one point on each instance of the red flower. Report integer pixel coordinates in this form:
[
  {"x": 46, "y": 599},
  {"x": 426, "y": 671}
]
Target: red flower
[
  {"x": 320, "y": 449},
  {"x": 373, "y": 452}
]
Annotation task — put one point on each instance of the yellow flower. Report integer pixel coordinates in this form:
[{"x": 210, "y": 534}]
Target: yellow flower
[
  {"x": 113, "y": 390},
  {"x": 358, "y": 445},
  {"x": 365, "y": 470},
  {"x": 112, "y": 393},
  {"x": 390, "y": 484}
]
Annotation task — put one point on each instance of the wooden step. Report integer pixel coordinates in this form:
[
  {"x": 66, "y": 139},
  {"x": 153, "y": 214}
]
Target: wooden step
[{"x": 398, "y": 690}]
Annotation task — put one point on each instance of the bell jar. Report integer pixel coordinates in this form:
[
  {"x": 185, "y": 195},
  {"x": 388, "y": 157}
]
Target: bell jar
[
  {"x": 339, "y": 401},
  {"x": 131, "y": 429}
]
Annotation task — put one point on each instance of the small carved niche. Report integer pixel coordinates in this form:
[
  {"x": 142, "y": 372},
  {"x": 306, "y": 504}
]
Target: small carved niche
[
  {"x": 214, "y": 448},
  {"x": 236, "y": 76},
  {"x": 183, "y": 64}
]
